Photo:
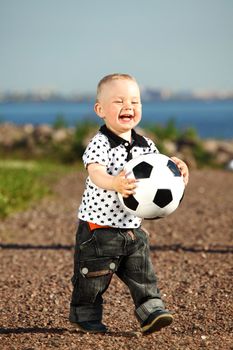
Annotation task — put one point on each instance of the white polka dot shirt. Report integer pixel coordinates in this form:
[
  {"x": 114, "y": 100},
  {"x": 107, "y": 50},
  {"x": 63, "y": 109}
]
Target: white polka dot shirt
[{"x": 102, "y": 206}]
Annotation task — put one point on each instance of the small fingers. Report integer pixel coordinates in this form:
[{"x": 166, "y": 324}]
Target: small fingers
[
  {"x": 129, "y": 189},
  {"x": 128, "y": 193},
  {"x": 131, "y": 186},
  {"x": 131, "y": 181}
]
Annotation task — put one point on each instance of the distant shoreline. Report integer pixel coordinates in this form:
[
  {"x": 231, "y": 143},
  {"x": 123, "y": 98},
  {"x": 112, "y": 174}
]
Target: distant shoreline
[
  {"x": 212, "y": 119},
  {"x": 80, "y": 99}
]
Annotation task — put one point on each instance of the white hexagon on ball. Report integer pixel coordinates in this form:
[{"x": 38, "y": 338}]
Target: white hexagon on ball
[{"x": 160, "y": 186}]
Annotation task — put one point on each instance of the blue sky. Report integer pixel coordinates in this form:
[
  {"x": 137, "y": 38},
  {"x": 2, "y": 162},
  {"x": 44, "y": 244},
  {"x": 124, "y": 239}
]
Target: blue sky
[{"x": 68, "y": 45}]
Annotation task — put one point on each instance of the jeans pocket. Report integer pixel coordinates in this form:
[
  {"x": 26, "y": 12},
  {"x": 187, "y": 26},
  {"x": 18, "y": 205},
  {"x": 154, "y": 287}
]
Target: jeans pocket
[
  {"x": 94, "y": 278},
  {"x": 98, "y": 267},
  {"x": 88, "y": 249}
]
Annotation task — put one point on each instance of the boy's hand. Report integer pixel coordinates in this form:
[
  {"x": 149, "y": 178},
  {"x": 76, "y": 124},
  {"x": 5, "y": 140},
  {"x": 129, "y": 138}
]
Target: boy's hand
[
  {"x": 118, "y": 183},
  {"x": 123, "y": 185},
  {"x": 183, "y": 169}
]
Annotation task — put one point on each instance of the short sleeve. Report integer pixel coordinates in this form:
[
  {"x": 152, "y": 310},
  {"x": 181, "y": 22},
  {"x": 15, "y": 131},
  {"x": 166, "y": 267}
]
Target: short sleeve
[
  {"x": 153, "y": 148},
  {"x": 97, "y": 151}
]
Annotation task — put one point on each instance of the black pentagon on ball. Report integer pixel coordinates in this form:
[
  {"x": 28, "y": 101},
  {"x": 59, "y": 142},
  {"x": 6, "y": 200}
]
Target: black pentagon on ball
[
  {"x": 131, "y": 202},
  {"x": 174, "y": 168},
  {"x": 163, "y": 197},
  {"x": 142, "y": 170}
]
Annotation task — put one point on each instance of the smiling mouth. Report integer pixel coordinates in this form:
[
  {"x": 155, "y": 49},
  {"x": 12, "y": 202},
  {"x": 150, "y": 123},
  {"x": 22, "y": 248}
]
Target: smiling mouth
[{"x": 126, "y": 117}]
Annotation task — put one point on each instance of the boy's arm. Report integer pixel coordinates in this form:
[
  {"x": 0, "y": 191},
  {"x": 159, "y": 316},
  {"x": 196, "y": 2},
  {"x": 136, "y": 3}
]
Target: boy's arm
[{"x": 118, "y": 183}]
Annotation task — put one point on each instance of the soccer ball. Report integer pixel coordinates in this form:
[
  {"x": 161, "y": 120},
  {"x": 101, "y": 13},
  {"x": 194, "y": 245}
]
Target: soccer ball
[{"x": 160, "y": 186}]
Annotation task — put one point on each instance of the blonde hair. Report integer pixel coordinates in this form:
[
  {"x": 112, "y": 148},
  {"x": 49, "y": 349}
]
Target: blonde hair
[{"x": 109, "y": 78}]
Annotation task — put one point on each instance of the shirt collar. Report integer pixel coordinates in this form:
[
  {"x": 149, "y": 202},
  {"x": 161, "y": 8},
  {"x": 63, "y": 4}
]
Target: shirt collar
[{"x": 115, "y": 140}]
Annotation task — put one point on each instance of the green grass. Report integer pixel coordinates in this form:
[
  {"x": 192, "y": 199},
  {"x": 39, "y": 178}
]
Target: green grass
[{"x": 23, "y": 182}]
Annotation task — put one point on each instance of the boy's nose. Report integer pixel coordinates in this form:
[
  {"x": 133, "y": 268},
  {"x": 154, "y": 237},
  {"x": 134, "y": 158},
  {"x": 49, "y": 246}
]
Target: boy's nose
[{"x": 127, "y": 105}]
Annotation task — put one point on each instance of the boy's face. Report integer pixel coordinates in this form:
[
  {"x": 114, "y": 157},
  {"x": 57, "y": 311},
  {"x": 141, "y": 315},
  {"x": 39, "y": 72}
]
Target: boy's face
[{"x": 119, "y": 105}]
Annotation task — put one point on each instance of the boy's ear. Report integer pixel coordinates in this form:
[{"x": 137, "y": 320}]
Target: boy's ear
[{"x": 98, "y": 110}]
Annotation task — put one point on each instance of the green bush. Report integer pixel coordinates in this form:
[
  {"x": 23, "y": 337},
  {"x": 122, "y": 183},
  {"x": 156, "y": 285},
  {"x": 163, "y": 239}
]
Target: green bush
[
  {"x": 169, "y": 131},
  {"x": 184, "y": 139},
  {"x": 60, "y": 122},
  {"x": 70, "y": 150},
  {"x": 82, "y": 131},
  {"x": 202, "y": 157}
]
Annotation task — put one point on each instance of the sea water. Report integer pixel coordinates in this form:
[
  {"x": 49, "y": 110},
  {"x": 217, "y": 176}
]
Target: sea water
[{"x": 211, "y": 119}]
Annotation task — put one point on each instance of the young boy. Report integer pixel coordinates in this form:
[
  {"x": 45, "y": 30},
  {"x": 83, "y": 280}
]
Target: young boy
[{"x": 109, "y": 239}]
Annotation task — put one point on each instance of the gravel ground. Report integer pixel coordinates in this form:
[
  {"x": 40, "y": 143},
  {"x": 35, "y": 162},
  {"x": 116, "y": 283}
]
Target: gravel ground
[{"x": 192, "y": 253}]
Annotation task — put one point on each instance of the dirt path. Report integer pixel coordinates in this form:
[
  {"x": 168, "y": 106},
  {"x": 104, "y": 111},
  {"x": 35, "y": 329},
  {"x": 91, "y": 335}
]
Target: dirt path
[{"x": 192, "y": 253}]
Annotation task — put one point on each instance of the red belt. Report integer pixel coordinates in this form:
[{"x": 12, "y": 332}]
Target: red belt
[{"x": 93, "y": 226}]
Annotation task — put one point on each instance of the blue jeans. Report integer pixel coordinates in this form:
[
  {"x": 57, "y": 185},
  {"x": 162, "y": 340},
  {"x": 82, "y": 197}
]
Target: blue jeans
[{"x": 101, "y": 253}]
